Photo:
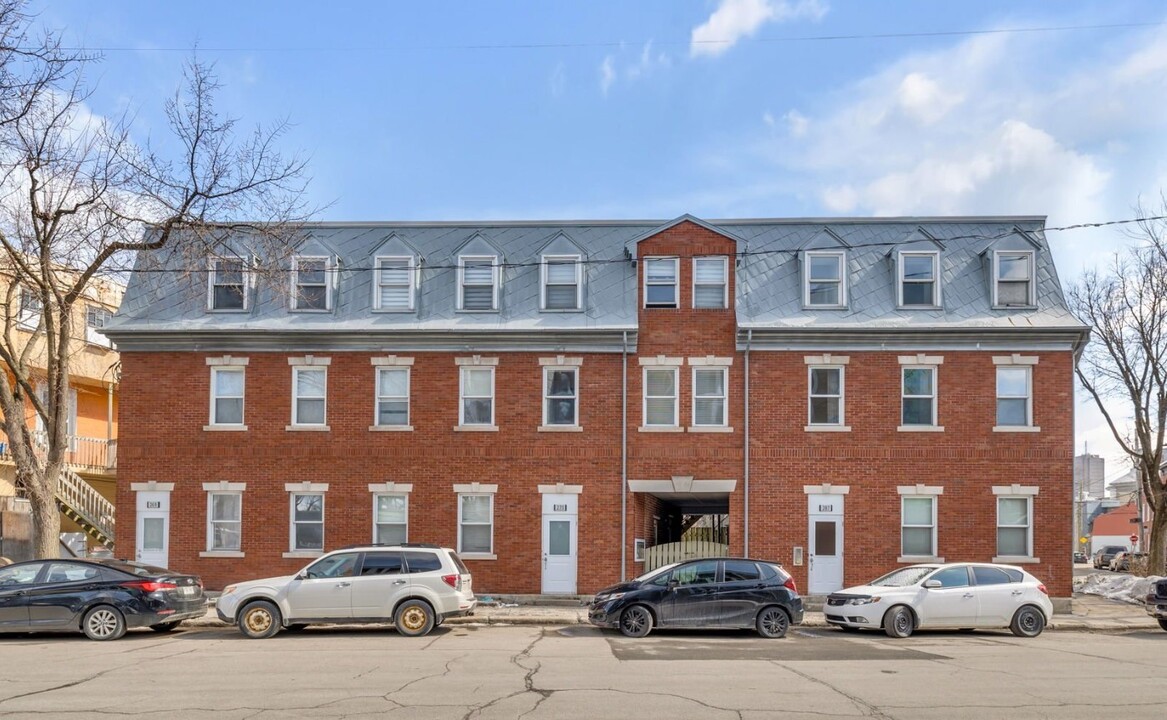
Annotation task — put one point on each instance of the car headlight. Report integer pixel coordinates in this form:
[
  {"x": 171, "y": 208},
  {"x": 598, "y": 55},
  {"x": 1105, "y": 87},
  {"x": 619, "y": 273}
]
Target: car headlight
[
  {"x": 228, "y": 590},
  {"x": 613, "y": 596},
  {"x": 864, "y": 600}
]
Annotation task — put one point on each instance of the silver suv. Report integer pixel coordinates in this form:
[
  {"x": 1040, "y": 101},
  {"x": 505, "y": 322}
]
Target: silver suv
[{"x": 415, "y": 586}]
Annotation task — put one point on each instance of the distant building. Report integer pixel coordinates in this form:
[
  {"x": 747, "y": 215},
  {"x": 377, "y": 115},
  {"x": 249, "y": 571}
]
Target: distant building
[{"x": 1089, "y": 474}]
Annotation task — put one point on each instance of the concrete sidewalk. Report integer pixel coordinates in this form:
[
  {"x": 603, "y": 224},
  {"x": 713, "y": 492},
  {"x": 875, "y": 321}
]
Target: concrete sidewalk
[{"x": 1091, "y": 613}]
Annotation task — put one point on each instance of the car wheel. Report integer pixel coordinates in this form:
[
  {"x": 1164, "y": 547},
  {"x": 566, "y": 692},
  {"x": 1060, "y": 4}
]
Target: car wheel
[
  {"x": 636, "y": 621},
  {"x": 898, "y": 622},
  {"x": 1027, "y": 622},
  {"x": 772, "y": 622},
  {"x": 164, "y": 627},
  {"x": 296, "y": 627},
  {"x": 414, "y": 618},
  {"x": 103, "y": 623},
  {"x": 1163, "y": 623},
  {"x": 259, "y": 620}
]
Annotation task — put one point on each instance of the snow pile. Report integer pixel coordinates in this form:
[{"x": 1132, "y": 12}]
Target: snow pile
[{"x": 1123, "y": 588}]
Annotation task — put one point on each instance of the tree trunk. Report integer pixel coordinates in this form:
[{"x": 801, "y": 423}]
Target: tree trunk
[
  {"x": 46, "y": 521},
  {"x": 1157, "y": 544}
]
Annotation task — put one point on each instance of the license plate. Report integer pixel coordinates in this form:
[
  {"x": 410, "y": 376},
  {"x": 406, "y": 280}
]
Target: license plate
[{"x": 186, "y": 590}]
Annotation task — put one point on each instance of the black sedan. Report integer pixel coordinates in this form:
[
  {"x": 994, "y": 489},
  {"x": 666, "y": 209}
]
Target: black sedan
[
  {"x": 101, "y": 598},
  {"x": 707, "y": 593}
]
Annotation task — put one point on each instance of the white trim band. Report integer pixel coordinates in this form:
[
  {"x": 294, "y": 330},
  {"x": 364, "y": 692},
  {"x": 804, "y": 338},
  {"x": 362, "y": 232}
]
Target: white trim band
[
  {"x": 227, "y": 361},
  {"x": 224, "y": 486}
]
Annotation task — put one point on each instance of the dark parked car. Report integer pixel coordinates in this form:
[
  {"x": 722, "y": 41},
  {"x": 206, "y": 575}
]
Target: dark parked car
[
  {"x": 101, "y": 598},
  {"x": 708, "y": 593},
  {"x": 1103, "y": 557},
  {"x": 1080, "y": 557},
  {"x": 1156, "y": 603}
]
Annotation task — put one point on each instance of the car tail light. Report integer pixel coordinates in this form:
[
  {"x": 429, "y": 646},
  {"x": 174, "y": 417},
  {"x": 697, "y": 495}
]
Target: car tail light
[
  {"x": 1041, "y": 586},
  {"x": 149, "y": 586},
  {"x": 452, "y": 580},
  {"x": 791, "y": 584}
]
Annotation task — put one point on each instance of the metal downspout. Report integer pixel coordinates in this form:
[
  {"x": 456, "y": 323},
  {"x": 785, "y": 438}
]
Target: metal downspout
[
  {"x": 624, "y": 463},
  {"x": 746, "y": 455}
]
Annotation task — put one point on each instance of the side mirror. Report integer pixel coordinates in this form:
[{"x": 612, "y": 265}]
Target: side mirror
[
  {"x": 933, "y": 584},
  {"x": 673, "y": 584}
]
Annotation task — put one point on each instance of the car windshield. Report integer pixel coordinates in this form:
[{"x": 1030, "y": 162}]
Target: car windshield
[
  {"x": 654, "y": 573},
  {"x": 904, "y": 576}
]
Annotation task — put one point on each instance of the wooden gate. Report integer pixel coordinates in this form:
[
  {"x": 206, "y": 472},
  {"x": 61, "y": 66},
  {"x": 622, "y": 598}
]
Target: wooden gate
[{"x": 659, "y": 555}]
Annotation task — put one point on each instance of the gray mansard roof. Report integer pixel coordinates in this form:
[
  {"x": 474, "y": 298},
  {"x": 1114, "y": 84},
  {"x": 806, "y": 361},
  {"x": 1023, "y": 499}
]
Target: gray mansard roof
[{"x": 169, "y": 309}]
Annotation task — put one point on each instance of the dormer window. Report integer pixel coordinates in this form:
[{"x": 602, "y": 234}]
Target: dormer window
[
  {"x": 311, "y": 283},
  {"x": 660, "y": 282},
  {"x": 228, "y": 284},
  {"x": 1013, "y": 279},
  {"x": 561, "y": 282},
  {"x": 394, "y": 282},
  {"x": 825, "y": 283},
  {"x": 710, "y": 282},
  {"x": 478, "y": 284},
  {"x": 919, "y": 284}
]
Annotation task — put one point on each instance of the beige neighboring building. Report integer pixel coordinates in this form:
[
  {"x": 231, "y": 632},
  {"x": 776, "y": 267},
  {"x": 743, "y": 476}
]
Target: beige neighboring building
[{"x": 89, "y": 488}]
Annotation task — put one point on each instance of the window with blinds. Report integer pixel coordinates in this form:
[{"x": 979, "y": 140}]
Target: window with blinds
[
  {"x": 561, "y": 282},
  {"x": 478, "y": 288},
  {"x": 312, "y": 282},
  {"x": 394, "y": 283},
  {"x": 709, "y": 282},
  {"x": 660, "y": 396},
  {"x": 709, "y": 397}
]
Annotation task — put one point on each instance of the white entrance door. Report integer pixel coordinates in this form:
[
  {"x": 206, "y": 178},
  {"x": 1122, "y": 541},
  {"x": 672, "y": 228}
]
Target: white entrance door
[
  {"x": 153, "y": 531},
  {"x": 560, "y": 546},
  {"x": 826, "y": 543}
]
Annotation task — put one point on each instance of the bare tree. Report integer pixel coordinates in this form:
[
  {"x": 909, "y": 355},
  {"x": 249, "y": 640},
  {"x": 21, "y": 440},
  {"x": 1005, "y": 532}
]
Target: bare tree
[
  {"x": 1126, "y": 303},
  {"x": 79, "y": 198}
]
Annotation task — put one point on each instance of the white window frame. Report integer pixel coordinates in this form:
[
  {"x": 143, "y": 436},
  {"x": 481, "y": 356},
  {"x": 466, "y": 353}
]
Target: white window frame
[
  {"x": 292, "y": 522},
  {"x": 1028, "y": 396},
  {"x": 548, "y": 371},
  {"x": 211, "y": 522},
  {"x": 1031, "y": 300},
  {"x": 904, "y": 525},
  {"x": 724, "y": 282},
  {"x": 904, "y": 397},
  {"x": 328, "y": 282},
  {"x": 676, "y": 396},
  {"x": 396, "y": 262},
  {"x": 560, "y": 260},
  {"x": 296, "y": 369},
  {"x": 494, "y": 277},
  {"x": 379, "y": 396},
  {"x": 1028, "y": 526},
  {"x": 842, "y": 423},
  {"x": 462, "y": 397},
  {"x": 102, "y": 314},
  {"x": 724, "y": 396},
  {"x": 376, "y": 524},
  {"x": 841, "y": 257},
  {"x": 676, "y": 283},
  {"x": 476, "y": 553},
  {"x": 242, "y": 371},
  {"x": 29, "y": 318},
  {"x": 902, "y": 280},
  {"x": 212, "y": 282}
]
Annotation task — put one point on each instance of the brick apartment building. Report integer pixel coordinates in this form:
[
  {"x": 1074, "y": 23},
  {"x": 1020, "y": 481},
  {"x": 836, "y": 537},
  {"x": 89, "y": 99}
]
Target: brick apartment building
[{"x": 557, "y": 400}]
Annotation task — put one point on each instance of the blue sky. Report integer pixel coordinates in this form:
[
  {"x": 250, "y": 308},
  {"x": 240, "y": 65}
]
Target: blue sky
[{"x": 654, "y": 108}]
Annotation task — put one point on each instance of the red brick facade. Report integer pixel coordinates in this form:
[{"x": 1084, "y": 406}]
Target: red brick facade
[{"x": 165, "y": 401}]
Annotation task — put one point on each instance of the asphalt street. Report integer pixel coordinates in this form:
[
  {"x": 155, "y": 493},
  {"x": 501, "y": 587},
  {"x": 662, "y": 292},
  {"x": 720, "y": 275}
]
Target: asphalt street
[{"x": 581, "y": 672}]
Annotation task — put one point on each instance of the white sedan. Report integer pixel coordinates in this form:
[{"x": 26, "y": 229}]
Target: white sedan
[{"x": 954, "y": 595}]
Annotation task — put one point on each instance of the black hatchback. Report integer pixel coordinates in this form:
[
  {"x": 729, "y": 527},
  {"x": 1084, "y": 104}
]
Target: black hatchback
[
  {"x": 706, "y": 593},
  {"x": 101, "y": 598}
]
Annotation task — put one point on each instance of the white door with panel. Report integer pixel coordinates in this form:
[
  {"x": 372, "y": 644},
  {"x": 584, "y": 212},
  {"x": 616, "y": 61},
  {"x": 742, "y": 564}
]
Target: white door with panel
[
  {"x": 153, "y": 531},
  {"x": 825, "y": 532},
  {"x": 560, "y": 543}
]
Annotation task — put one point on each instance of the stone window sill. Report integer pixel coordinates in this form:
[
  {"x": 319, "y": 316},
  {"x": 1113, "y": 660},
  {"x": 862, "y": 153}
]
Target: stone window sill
[
  {"x": 390, "y": 428},
  {"x": 307, "y": 428},
  {"x": 560, "y": 428},
  {"x": 478, "y": 556},
  {"x": 476, "y": 428},
  {"x": 225, "y": 428},
  {"x": 710, "y": 429},
  {"x": 660, "y": 429},
  {"x": 1016, "y": 428},
  {"x": 913, "y": 559},
  {"x": 221, "y": 554},
  {"x": 827, "y": 428},
  {"x": 306, "y": 554},
  {"x": 1014, "y": 560},
  {"x": 920, "y": 428}
]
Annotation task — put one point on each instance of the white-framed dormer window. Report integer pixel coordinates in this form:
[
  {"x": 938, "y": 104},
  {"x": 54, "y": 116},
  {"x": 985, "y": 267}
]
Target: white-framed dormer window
[
  {"x": 919, "y": 281},
  {"x": 918, "y": 396},
  {"x": 826, "y": 395},
  {"x": 562, "y": 282},
  {"x": 1014, "y": 396},
  {"x": 228, "y": 282},
  {"x": 476, "y": 523},
  {"x": 392, "y": 397},
  {"x": 1015, "y": 526},
  {"x": 96, "y": 318},
  {"x": 394, "y": 283},
  {"x": 660, "y": 282},
  {"x": 710, "y": 282},
  {"x": 309, "y": 396},
  {"x": 227, "y": 387},
  {"x": 710, "y": 397},
  {"x": 824, "y": 279},
  {"x": 476, "y": 406},
  {"x": 478, "y": 282},
  {"x": 390, "y": 518},
  {"x": 560, "y": 396},
  {"x": 31, "y": 309},
  {"x": 918, "y": 526},
  {"x": 311, "y": 283},
  {"x": 1013, "y": 279},
  {"x": 224, "y": 521},
  {"x": 661, "y": 399}
]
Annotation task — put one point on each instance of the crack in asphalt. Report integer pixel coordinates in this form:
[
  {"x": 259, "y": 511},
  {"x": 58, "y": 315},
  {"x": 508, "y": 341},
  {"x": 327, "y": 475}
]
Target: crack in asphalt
[
  {"x": 414, "y": 681},
  {"x": 528, "y": 679},
  {"x": 871, "y": 710}
]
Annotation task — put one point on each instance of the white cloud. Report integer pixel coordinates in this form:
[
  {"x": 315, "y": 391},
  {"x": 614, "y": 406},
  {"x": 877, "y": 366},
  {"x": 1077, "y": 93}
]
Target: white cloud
[
  {"x": 797, "y": 124},
  {"x": 736, "y": 19},
  {"x": 923, "y": 100},
  {"x": 643, "y": 66},
  {"x": 607, "y": 74}
]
